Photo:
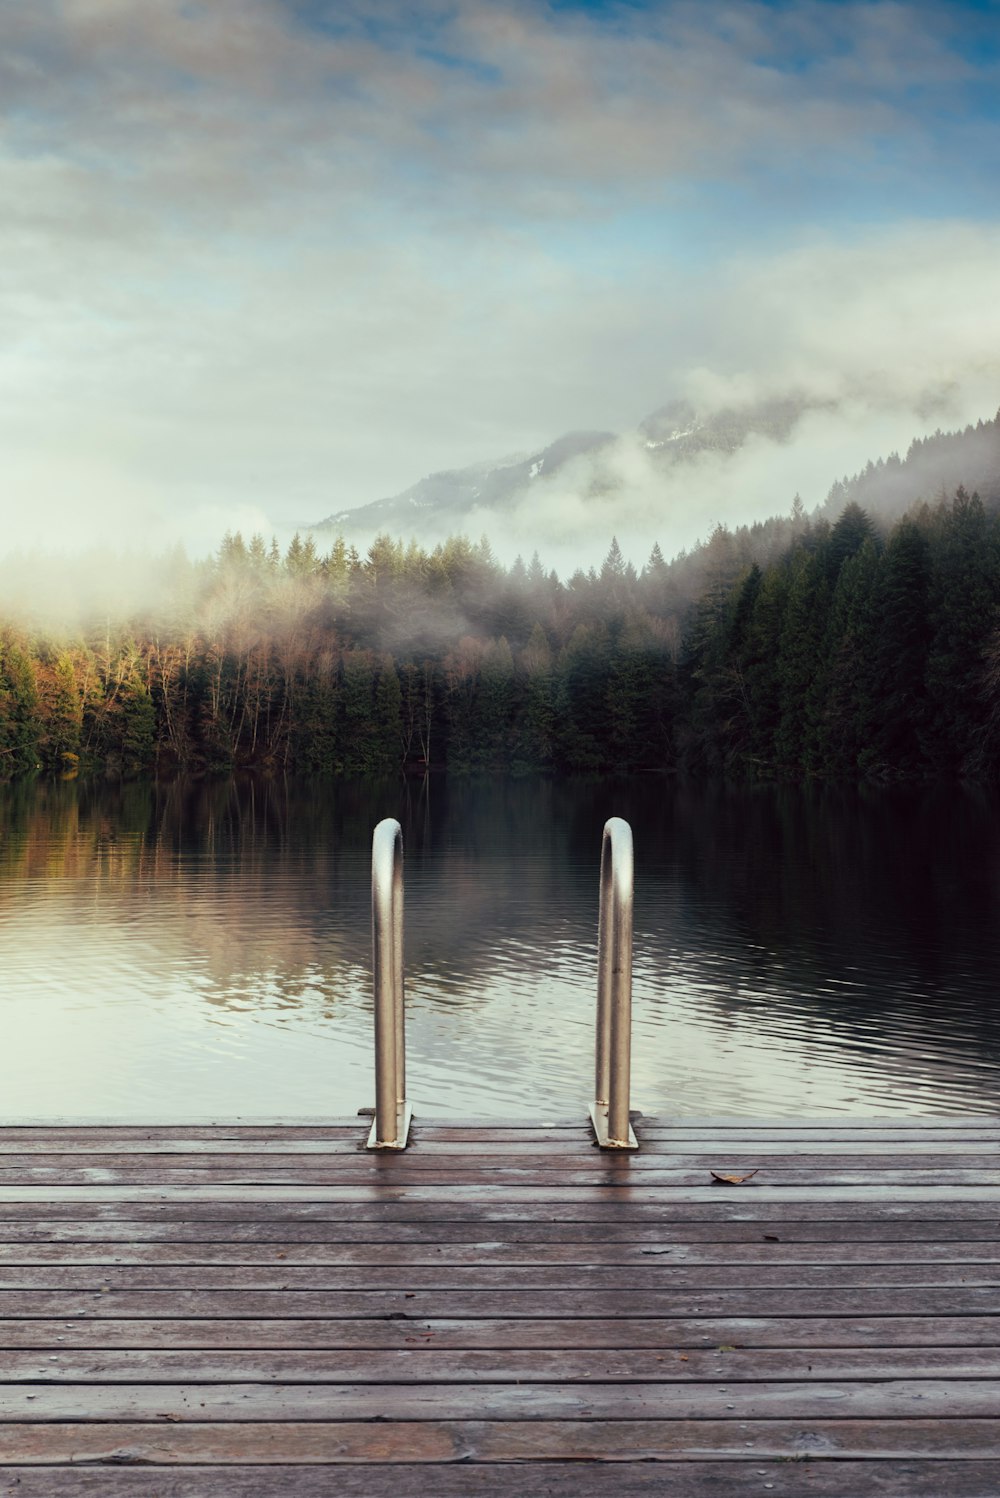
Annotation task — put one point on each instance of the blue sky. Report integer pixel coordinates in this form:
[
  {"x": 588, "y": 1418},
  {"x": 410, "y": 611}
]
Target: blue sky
[{"x": 265, "y": 259}]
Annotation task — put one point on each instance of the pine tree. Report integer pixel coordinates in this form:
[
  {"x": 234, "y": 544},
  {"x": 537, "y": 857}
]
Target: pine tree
[
  {"x": 849, "y": 534},
  {"x": 492, "y": 738},
  {"x": 900, "y": 702},
  {"x": 761, "y": 674},
  {"x": 580, "y": 699},
  {"x": 359, "y": 749},
  {"x": 20, "y": 727},
  {"x": 535, "y": 747},
  {"x": 800, "y": 656},
  {"x": 844, "y": 725},
  {"x": 61, "y": 716},
  {"x": 316, "y": 745},
  {"x": 965, "y": 591},
  {"x": 388, "y": 717}
]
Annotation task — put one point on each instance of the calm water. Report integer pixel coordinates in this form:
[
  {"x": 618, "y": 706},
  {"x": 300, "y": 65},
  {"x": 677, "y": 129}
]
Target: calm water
[{"x": 197, "y": 949}]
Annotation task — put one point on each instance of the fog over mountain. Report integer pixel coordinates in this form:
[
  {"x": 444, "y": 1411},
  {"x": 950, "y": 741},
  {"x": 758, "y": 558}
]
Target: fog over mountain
[{"x": 684, "y": 468}]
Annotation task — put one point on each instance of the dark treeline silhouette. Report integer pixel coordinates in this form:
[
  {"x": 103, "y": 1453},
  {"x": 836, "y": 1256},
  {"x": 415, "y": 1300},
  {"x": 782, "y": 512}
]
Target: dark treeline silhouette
[
  {"x": 784, "y": 649},
  {"x": 855, "y": 654}
]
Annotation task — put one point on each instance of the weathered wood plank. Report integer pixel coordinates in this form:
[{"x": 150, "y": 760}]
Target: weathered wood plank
[
  {"x": 623, "y": 1210},
  {"x": 517, "y": 1126},
  {"x": 558, "y": 1147},
  {"x": 625, "y": 1234},
  {"x": 471, "y": 1304},
  {"x": 660, "y": 1272},
  {"x": 130, "y": 1123},
  {"x": 470, "y": 1479},
  {"x": 678, "y": 1333},
  {"x": 894, "y": 1194},
  {"x": 861, "y": 1399},
  {"x": 979, "y": 1174},
  {"x": 241, "y": 1443},
  {"x": 440, "y": 1365},
  {"x": 685, "y": 1175},
  {"x": 380, "y": 1257}
]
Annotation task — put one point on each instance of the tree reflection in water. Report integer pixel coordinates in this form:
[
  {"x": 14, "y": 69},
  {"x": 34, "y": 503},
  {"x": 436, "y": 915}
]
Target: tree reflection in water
[{"x": 201, "y": 946}]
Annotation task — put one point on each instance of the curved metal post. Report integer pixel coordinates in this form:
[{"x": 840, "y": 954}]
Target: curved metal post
[
  {"x": 392, "y": 1112},
  {"x": 609, "y": 1112}
]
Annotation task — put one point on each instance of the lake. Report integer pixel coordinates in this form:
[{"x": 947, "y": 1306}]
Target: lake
[{"x": 203, "y": 948}]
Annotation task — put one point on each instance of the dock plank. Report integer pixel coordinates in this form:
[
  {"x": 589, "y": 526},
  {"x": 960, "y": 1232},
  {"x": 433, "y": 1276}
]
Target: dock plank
[
  {"x": 623, "y": 1233},
  {"x": 583, "y": 1400},
  {"x": 658, "y": 1333},
  {"x": 660, "y": 1273},
  {"x": 435, "y": 1362},
  {"x": 239, "y": 1308},
  {"x": 554, "y": 1479},
  {"x": 383, "y": 1259},
  {"x": 167, "y": 1441}
]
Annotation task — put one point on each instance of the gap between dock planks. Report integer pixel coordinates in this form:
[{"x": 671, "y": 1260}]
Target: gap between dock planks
[{"x": 224, "y": 1308}]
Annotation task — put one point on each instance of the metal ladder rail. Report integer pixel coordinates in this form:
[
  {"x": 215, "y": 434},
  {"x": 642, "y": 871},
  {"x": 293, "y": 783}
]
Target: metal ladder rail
[
  {"x": 609, "y": 1112},
  {"x": 391, "y": 1128}
]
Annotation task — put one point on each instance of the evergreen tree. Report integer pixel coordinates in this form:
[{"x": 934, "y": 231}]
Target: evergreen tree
[
  {"x": 360, "y": 752},
  {"x": 534, "y": 749},
  {"x": 388, "y": 717},
  {"x": 493, "y": 709},
  {"x": 135, "y": 721},
  {"x": 315, "y": 743},
  {"x": 580, "y": 700},
  {"x": 964, "y": 596},
  {"x": 761, "y": 649},
  {"x": 844, "y": 724},
  {"x": 20, "y": 727},
  {"x": 900, "y": 703},
  {"x": 849, "y": 534},
  {"x": 800, "y": 657},
  {"x": 60, "y": 711}
]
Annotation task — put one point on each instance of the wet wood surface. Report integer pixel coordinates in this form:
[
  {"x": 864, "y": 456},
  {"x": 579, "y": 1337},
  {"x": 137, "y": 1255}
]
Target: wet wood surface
[{"x": 215, "y": 1309}]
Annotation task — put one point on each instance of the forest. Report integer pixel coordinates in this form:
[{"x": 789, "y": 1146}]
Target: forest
[{"x": 794, "y": 648}]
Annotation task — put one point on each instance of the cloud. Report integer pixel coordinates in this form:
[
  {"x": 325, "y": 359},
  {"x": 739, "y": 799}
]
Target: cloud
[
  {"x": 891, "y": 337},
  {"x": 266, "y": 260},
  {"x": 223, "y": 100}
]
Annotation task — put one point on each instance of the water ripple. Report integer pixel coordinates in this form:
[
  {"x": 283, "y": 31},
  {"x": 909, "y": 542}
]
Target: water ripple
[{"x": 217, "y": 958}]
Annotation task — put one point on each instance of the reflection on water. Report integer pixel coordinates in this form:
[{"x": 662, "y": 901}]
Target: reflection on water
[{"x": 203, "y": 948}]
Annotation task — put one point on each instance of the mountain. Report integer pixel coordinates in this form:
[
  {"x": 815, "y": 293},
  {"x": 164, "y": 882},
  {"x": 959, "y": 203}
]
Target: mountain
[
  {"x": 442, "y": 503},
  {"x": 678, "y": 430},
  {"x": 595, "y": 467}
]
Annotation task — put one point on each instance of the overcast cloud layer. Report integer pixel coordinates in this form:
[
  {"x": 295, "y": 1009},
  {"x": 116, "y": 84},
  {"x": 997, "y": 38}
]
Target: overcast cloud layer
[{"x": 263, "y": 261}]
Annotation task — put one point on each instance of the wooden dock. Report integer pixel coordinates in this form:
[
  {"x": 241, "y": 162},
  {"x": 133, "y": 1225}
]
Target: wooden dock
[{"x": 192, "y": 1311}]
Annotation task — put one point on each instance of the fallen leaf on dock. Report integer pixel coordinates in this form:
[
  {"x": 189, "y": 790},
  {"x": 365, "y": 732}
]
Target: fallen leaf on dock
[{"x": 732, "y": 1180}]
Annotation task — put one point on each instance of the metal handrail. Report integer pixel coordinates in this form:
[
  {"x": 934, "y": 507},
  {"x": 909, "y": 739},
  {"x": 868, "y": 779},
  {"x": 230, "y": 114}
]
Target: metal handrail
[
  {"x": 393, "y": 1113},
  {"x": 609, "y": 1113}
]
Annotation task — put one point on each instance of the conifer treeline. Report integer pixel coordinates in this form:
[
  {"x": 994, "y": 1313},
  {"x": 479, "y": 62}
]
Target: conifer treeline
[{"x": 779, "y": 650}]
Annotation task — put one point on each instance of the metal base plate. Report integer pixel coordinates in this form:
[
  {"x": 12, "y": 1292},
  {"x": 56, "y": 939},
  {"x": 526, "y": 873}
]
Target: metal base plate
[
  {"x": 599, "y": 1119},
  {"x": 404, "y": 1114}
]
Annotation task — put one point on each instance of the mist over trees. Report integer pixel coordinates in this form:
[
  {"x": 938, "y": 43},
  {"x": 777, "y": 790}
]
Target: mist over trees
[
  {"x": 796, "y": 647},
  {"x": 932, "y": 467}
]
